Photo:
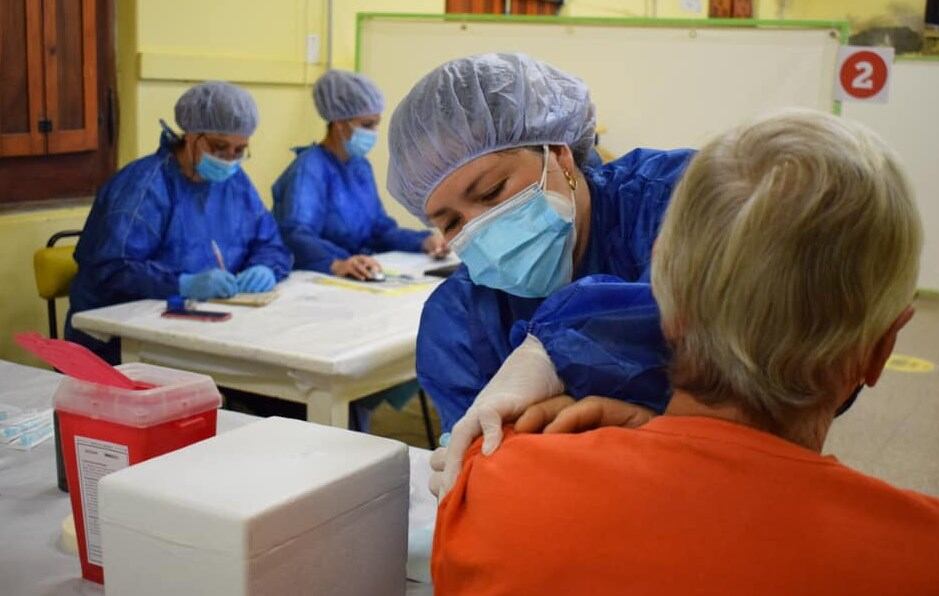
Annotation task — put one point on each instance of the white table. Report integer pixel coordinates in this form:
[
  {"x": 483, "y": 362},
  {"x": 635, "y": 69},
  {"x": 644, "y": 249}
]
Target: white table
[
  {"x": 317, "y": 344},
  {"x": 32, "y": 507}
]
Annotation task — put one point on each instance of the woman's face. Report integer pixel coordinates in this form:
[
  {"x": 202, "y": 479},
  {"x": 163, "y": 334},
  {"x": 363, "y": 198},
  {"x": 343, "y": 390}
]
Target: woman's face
[
  {"x": 227, "y": 147},
  {"x": 481, "y": 184},
  {"x": 369, "y": 122}
]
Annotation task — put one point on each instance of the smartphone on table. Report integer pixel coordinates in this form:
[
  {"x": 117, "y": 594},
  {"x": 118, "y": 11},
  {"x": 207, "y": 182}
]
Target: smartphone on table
[{"x": 212, "y": 316}]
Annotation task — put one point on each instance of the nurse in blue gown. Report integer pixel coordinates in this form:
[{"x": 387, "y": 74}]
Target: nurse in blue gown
[
  {"x": 327, "y": 206},
  {"x": 491, "y": 150},
  {"x": 326, "y": 202},
  {"x": 154, "y": 227}
]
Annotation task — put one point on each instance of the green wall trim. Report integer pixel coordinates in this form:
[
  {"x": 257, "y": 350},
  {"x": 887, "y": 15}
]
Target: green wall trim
[
  {"x": 917, "y": 58},
  {"x": 842, "y": 27}
]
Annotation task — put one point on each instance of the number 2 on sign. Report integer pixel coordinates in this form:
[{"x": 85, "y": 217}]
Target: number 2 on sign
[
  {"x": 864, "y": 78},
  {"x": 863, "y": 73}
]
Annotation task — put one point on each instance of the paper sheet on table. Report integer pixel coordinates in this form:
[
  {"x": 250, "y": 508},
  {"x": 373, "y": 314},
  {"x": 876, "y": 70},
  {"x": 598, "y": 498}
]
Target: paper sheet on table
[
  {"x": 258, "y": 299},
  {"x": 393, "y": 285},
  {"x": 414, "y": 264}
]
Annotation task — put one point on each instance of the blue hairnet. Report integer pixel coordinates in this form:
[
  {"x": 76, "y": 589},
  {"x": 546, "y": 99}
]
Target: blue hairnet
[
  {"x": 480, "y": 104},
  {"x": 219, "y": 107},
  {"x": 341, "y": 95}
]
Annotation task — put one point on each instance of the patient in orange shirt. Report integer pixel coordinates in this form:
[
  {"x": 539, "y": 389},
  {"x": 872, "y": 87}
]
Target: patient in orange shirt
[{"x": 784, "y": 270}]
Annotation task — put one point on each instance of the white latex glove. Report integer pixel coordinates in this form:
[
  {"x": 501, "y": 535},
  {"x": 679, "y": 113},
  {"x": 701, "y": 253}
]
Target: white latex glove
[{"x": 525, "y": 378}]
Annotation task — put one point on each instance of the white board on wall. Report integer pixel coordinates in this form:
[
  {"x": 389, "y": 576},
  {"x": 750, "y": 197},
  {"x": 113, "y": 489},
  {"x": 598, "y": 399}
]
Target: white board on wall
[
  {"x": 663, "y": 86},
  {"x": 909, "y": 123}
]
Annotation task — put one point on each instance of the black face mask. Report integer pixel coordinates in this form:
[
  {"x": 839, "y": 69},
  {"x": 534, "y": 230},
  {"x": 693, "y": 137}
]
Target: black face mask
[{"x": 850, "y": 402}]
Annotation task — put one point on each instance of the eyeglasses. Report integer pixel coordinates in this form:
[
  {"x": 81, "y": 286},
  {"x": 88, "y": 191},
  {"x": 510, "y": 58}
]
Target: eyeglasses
[{"x": 224, "y": 150}]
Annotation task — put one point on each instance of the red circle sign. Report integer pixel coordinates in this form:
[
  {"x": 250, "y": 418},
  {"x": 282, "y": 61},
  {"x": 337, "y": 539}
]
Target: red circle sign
[{"x": 863, "y": 74}]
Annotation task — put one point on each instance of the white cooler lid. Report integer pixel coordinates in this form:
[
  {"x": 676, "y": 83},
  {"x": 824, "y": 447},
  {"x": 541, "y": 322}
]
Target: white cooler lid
[{"x": 254, "y": 488}]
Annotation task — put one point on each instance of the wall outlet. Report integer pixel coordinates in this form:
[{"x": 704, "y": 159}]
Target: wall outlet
[
  {"x": 312, "y": 49},
  {"x": 691, "y": 6}
]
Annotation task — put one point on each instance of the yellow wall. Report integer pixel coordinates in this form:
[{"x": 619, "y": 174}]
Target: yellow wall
[
  {"x": 22, "y": 309},
  {"x": 260, "y": 45},
  {"x": 857, "y": 12},
  {"x": 635, "y": 8}
]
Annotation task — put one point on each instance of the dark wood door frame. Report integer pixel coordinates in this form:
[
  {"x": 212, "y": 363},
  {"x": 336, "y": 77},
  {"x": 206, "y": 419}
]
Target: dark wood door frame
[{"x": 78, "y": 174}]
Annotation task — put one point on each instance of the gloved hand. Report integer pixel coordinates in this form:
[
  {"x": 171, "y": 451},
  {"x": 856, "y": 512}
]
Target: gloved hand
[
  {"x": 213, "y": 283},
  {"x": 256, "y": 279},
  {"x": 525, "y": 378}
]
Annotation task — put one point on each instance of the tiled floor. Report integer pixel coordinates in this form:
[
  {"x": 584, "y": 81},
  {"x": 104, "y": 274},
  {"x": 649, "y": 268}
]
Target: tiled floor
[
  {"x": 891, "y": 432},
  {"x": 406, "y": 425}
]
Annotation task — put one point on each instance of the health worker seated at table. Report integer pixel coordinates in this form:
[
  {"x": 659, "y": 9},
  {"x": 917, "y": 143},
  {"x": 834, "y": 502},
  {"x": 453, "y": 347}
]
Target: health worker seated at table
[
  {"x": 326, "y": 201},
  {"x": 491, "y": 150},
  {"x": 185, "y": 220},
  {"x": 784, "y": 270}
]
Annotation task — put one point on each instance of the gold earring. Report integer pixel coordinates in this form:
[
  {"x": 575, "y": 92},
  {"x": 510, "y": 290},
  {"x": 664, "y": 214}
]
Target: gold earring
[{"x": 571, "y": 181}]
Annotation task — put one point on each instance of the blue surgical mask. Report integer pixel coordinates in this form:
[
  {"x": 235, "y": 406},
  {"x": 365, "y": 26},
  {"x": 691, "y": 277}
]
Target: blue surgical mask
[
  {"x": 216, "y": 169},
  {"x": 361, "y": 141},
  {"x": 523, "y": 246},
  {"x": 23, "y": 424}
]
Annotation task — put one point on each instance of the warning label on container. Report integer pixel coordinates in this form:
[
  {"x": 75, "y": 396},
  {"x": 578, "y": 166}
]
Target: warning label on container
[{"x": 96, "y": 459}]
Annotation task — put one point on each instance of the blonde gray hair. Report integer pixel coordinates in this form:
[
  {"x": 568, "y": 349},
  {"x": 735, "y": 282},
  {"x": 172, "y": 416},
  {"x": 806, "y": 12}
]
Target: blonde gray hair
[{"x": 789, "y": 248}]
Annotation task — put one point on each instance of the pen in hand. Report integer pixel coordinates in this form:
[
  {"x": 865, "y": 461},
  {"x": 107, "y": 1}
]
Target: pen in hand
[{"x": 218, "y": 256}]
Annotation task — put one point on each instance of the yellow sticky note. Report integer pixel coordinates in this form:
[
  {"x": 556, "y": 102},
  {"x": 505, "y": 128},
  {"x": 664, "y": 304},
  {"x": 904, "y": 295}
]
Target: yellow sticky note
[
  {"x": 384, "y": 288},
  {"x": 256, "y": 299}
]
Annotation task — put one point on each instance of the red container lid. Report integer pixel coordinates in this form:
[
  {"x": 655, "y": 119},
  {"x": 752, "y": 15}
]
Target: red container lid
[{"x": 74, "y": 360}]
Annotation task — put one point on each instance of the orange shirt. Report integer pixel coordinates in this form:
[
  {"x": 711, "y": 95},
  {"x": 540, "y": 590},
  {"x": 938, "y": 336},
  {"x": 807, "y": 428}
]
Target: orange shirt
[{"x": 683, "y": 505}]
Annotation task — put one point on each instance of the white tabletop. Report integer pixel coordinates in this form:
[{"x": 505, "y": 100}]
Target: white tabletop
[
  {"x": 313, "y": 326},
  {"x": 32, "y": 507}
]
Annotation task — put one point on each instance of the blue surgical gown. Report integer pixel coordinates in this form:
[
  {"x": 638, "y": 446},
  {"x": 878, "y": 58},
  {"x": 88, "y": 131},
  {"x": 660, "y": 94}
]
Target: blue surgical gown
[
  {"x": 604, "y": 338},
  {"x": 465, "y": 329},
  {"x": 329, "y": 210},
  {"x": 150, "y": 223}
]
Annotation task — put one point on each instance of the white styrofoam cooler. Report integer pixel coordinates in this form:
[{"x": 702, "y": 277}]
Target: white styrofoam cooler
[{"x": 275, "y": 507}]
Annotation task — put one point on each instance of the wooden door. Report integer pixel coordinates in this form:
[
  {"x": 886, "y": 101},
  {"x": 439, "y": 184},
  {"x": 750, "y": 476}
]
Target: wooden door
[
  {"x": 523, "y": 7},
  {"x": 48, "y": 77},
  {"x": 735, "y": 9},
  {"x": 21, "y": 84},
  {"x": 535, "y": 7},
  {"x": 475, "y": 6},
  {"x": 71, "y": 83},
  {"x": 58, "y": 108}
]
